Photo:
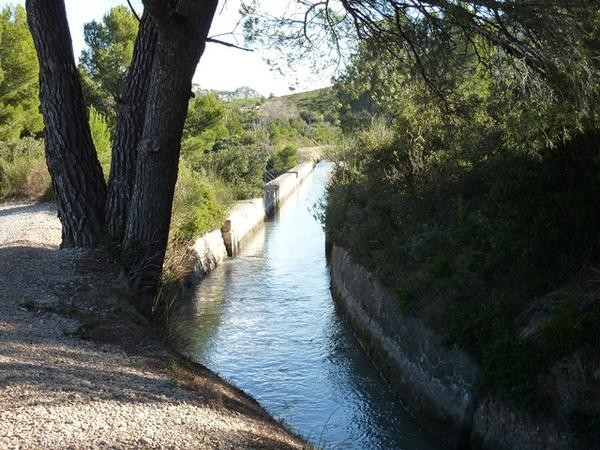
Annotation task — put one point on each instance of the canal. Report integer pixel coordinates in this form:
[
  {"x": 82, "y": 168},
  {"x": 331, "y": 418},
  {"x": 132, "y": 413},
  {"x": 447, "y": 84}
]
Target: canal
[{"x": 266, "y": 322}]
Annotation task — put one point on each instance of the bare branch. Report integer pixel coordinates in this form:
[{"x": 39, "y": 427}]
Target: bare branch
[
  {"x": 227, "y": 44},
  {"x": 133, "y": 11}
]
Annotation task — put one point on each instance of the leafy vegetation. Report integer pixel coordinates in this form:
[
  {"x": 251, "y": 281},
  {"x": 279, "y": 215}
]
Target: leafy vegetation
[
  {"x": 105, "y": 60},
  {"x": 198, "y": 206},
  {"x": 102, "y": 138},
  {"x": 283, "y": 160},
  {"x": 23, "y": 172},
  {"x": 473, "y": 207},
  {"x": 229, "y": 148},
  {"x": 227, "y": 145},
  {"x": 19, "y": 105}
]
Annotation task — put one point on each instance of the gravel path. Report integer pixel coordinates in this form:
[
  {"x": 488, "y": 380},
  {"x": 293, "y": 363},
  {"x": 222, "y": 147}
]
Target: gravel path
[{"x": 78, "y": 369}]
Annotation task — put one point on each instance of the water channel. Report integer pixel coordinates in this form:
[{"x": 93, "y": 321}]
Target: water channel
[{"x": 266, "y": 322}]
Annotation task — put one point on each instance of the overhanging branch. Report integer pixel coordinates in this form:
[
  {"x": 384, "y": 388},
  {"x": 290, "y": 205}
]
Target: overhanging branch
[{"x": 228, "y": 44}]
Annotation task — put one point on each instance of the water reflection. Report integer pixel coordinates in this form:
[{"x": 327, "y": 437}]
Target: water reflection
[{"x": 266, "y": 321}]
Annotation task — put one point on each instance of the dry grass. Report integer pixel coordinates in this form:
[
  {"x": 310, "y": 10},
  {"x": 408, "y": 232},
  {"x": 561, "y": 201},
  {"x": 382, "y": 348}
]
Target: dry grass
[{"x": 23, "y": 171}]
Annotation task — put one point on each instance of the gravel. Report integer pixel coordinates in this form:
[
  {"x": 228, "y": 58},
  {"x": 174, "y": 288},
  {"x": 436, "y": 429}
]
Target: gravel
[{"x": 78, "y": 369}]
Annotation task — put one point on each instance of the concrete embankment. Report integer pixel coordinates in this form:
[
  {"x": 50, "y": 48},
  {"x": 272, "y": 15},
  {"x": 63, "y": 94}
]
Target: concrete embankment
[
  {"x": 243, "y": 219},
  {"x": 439, "y": 383},
  {"x": 278, "y": 190},
  {"x": 436, "y": 384}
]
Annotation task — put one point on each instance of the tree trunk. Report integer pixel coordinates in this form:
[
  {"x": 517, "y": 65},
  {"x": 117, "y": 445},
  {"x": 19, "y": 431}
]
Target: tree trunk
[
  {"x": 182, "y": 34},
  {"x": 72, "y": 161},
  {"x": 130, "y": 125}
]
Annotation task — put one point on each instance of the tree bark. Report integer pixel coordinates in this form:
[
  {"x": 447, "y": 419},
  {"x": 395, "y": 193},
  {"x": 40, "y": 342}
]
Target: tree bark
[
  {"x": 72, "y": 161},
  {"x": 130, "y": 125},
  {"x": 182, "y": 33}
]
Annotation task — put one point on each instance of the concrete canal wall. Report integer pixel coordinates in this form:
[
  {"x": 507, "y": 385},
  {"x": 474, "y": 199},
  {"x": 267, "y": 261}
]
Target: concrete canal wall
[
  {"x": 243, "y": 219},
  {"x": 438, "y": 383},
  {"x": 278, "y": 190},
  {"x": 435, "y": 383}
]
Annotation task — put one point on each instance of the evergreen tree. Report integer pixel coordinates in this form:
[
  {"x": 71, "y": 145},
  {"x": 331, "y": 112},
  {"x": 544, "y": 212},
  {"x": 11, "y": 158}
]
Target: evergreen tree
[{"x": 19, "y": 103}]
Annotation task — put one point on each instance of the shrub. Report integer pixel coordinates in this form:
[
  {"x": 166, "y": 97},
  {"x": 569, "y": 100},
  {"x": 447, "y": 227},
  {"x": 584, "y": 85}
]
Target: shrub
[
  {"x": 283, "y": 160},
  {"x": 310, "y": 117},
  {"x": 23, "y": 172},
  {"x": 196, "y": 209},
  {"x": 467, "y": 244},
  {"x": 240, "y": 165},
  {"x": 102, "y": 139}
]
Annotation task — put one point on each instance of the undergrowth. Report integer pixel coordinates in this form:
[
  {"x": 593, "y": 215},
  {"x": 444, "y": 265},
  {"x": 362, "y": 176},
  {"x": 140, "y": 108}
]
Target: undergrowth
[
  {"x": 468, "y": 245},
  {"x": 23, "y": 172}
]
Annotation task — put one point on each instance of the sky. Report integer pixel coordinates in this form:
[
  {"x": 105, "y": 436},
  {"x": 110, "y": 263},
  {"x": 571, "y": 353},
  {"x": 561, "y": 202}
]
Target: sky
[{"x": 220, "y": 67}]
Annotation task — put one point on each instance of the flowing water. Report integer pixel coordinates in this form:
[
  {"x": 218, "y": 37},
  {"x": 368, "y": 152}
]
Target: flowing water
[{"x": 266, "y": 322}]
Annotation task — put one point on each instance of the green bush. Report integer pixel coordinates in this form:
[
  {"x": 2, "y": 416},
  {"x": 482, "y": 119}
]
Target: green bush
[
  {"x": 466, "y": 244},
  {"x": 239, "y": 164},
  {"x": 23, "y": 171},
  {"x": 196, "y": 209},
  {"x": 311, "y": 117},
  {"x": 283, "y": 160},
  {"x": 102, "y": 139}
]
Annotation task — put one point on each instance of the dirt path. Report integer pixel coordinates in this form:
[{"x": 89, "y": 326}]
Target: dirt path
[{"x": 78, "y": 369}]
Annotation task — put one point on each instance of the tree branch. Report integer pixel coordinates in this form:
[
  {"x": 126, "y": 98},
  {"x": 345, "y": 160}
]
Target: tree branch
[
  {"x": 133, "y": 11},
  {"x": 227, "y": 44}
]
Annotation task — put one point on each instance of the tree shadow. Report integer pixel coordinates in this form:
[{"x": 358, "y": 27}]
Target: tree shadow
[{"x": 13, "y": 210}]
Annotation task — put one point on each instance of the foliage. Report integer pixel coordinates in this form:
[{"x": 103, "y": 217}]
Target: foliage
[
  {"x": 318, "y": 105},
  {"x": 19, "y": 104},
  {"x": 196, "y": 209},
  {"x": 107, "y": 57},
  {"x": 102, "y": 139},
  {"x": 238, "y": 141},
  {"x": 205, "y": 124},
  {"x": 481, "y": 204},
  {"x": 283, "y": 160},
  {"x": 241, "y": 165},
  {"x": 96, "y": 97},
  {"x": 23, "y": 172},
  {"x": 204, "y": 112},
  {"x": 555, "y": 38},
  {"x": 468, "y": 248},
  {"x": 301, "y": 119}
]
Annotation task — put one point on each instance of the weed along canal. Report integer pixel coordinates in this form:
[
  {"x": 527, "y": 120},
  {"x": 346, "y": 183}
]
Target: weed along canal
[{"x": 266, "y": 321}]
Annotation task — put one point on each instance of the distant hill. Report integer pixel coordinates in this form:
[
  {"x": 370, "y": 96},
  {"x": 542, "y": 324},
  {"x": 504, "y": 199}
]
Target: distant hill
[
  {"x": 321, "y": 101},
  {"x": 311, "y": 106}
]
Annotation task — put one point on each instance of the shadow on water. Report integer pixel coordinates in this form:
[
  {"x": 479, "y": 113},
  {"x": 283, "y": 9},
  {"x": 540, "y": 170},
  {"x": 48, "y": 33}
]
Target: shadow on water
[{"x": 266, "y": 321}]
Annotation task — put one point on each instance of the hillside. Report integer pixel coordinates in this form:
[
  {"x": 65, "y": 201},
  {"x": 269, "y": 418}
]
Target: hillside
[{"x": 321, "y": 101}]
